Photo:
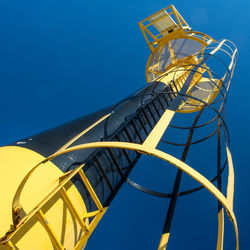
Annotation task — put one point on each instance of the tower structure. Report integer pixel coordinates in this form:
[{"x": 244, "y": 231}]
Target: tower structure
[{"x": 65, "y": 178}]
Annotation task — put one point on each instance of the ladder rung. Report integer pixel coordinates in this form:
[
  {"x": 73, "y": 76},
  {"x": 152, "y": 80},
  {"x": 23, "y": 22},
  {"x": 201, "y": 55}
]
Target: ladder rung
[
  {"x": 144, "y": 113},
  {"x": 90, "y": 189},
  {"x": 179, "y": 83},
  {"x": 10, "y": 245},
  {"x": 136, "y": 130},
  {"x": 159, "y": 99},
  {"x": 115, "y": 162},
  {"x": 98, "y": 164},
  {"x": 175, "y": 86},
  {"x": 57, "y": 244},
  {"x": 91, "y": 214},
  {"x": 150, "y": 111},
  {"x": 92, "y": 226},
  {"x": 127, "y": 133},
  {"x": 170, "y": 94},
  {"x": 72, "y": 208},
  {"x": 156, "y": 109},
  {"x": 172, "y": 91},
  {"x": 164, "y": 97},
  {"x": 141, "y": 122},
  {"x": 62, "y": 177},
  {"x": 125, "y": 153},
  {"x": 140, "y": 128}
]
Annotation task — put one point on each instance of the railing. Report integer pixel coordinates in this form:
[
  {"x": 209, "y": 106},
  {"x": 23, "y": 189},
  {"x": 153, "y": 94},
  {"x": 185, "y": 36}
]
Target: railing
[{"x": 135, "y": 130}]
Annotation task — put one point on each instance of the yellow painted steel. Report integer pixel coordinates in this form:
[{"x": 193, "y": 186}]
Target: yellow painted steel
[
  {"x": 31, "y": 234},
  {"x": 47, "y": 210},
  {"x": 180, "y": 27},
  {"x": 16, "y": 200},
  {"x": 220, "y": 236},
  {"x": 62, "y": 182},
  {"x": 92, "y": 227},
  {"x": 154, "y": 137},
  {"x": 172, "y": 54},
  {"x": 232, "y": 61},
  {"x": 33, "y": 194},
  {"x": 181, "y": 30},
  {"x": 147, "y": 148},
  {"x": 73, "y": 209},
  {"x": 9, "y": 245},
  {"x": 230, "y": 184},
  {"x": 49, "y": 230},
  {"x": 172, "y": 160},
  {"x": 83, "y": 132},
  {"x": 164, "y": 241},
  {"x": 91, "y": 214},
  {"x": 90, "y": 189},
  {"x": 195, "y": 105},
  {"x": 62, "y": 202},
  {"x": 218, "y": 47}
]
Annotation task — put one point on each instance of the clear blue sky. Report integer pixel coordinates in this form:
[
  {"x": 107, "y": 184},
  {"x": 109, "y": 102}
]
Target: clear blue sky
[{"x": 60, "y": 60}]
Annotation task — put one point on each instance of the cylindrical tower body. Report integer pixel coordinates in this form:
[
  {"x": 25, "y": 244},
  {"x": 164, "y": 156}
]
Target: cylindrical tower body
[{"x": 61, "y": 182}]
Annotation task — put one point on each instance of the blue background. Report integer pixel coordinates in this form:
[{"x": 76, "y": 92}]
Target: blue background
[{"x": 62, "y": 59}]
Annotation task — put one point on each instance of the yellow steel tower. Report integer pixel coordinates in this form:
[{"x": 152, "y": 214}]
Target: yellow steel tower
[{"x": 61, "y": 182}]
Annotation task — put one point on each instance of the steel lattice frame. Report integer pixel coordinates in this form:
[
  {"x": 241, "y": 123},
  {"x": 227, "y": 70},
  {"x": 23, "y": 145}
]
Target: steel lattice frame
[{"x": 181, "y": 94}]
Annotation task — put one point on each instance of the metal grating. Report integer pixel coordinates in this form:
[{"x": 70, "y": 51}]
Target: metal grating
[{"x": 165, "y": 22}]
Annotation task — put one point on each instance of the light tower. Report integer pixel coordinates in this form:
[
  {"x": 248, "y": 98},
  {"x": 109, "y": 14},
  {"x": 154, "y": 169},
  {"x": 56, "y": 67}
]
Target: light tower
[{"x": 65, "y": 178}]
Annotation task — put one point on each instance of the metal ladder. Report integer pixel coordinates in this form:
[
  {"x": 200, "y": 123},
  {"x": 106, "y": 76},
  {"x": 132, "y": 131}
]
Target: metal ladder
[{"x": 135, "y": 130}]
